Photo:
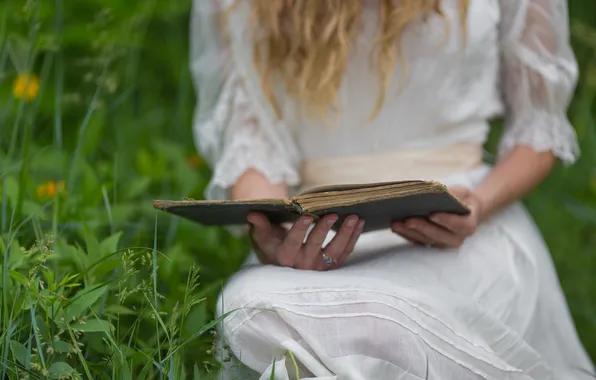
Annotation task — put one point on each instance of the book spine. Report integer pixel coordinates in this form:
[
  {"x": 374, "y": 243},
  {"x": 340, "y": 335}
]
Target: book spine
[{"x": 295, "y": 207}]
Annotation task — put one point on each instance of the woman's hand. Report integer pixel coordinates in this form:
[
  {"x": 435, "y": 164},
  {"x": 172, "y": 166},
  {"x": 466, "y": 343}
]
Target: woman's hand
[
  {"x": 444, "y": 230},
  {"x": 279, "y": 246}
]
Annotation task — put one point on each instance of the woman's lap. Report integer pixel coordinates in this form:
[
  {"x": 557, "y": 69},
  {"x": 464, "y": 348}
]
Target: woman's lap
[
  {"x": 485, "y": 271},
  {"x": 463, "y": 309},
  {"x": 482, "y": 311}
]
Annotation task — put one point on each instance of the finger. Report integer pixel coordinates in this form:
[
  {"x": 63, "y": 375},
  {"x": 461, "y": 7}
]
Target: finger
[
  {"x": 355, "y": 236},
  {"x": 312, "y": 249},
  {"x": 437, "y": 234},
  {"x": 293, "y": 242},
  {"x": 351, "y": 244},
  {"x": 410, "y": 235},
  {"x": 461, "y": 225},
  {"x": 337, "y": 246},
  {"x": 261, "y": 226}
]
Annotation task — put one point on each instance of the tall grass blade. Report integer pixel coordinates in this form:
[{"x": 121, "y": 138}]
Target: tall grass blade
[
  {"x": 3, "y": 43},
  {"x": 82, "y": 129},
  {"x": 156, "y": 305},
  {"x": 106, "y": 202},
  {"x": 160, "y": 321},
  {"x": 4, "y": 204},
  {"x": 59, "y": 76},
  {"x": 35, "y": 333},
  {"x": 272, "y": 377},
  {"x": 79, "y": 353}
]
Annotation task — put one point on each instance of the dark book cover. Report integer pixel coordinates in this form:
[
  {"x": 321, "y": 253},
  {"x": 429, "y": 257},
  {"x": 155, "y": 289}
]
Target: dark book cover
[{"x": 378, "y": 213}]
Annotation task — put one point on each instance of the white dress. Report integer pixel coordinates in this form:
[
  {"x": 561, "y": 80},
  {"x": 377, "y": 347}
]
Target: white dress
[{"x": 492, "y": 309}]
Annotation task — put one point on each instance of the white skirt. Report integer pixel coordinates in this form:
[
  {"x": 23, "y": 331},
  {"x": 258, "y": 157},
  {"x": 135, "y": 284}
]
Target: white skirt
[{"x": 492, "y": 309}]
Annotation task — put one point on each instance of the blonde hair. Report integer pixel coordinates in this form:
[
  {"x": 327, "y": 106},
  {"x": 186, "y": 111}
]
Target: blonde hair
[{"x": 306, "y": 44}]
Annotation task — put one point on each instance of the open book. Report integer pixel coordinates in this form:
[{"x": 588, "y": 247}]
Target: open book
[{"x": 379, "y": 204}]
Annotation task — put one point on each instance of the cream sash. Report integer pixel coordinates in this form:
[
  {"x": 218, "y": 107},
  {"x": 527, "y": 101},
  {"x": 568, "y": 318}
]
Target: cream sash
[{"x": 424, "y": 163}]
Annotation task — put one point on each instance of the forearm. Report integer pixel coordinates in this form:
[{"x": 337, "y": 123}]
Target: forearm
[
  {"x": 252, "y": 184},
  {"x": 513, "y": 178}
]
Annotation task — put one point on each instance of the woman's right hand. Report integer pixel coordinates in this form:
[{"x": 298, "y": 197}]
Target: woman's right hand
[{"x": 287, "y": 247}]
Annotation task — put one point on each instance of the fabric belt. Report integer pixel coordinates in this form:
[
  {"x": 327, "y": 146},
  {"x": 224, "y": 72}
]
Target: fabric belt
[{"x": 423, "y": 163}]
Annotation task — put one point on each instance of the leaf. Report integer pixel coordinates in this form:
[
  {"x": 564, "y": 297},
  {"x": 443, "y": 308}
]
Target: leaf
[
  {"x": 66, "y": 281},
  {"x": 61, "y": 346},
  {"x": 200, "y": 332},
  {"x": 49, "y": 276},
  {"x": 110, "y": 244},
  {"x": 196, "y": 317},
  {"x": 91, "y": 187},
  {"x": 19, "y": 278},
  {"x": 145, "y": 371},
  {"x": 125, "y": 373},
  {"x": 91, "y": 243},
  {"x": 136, "y": 187},
  {"x": 119, "y": 310},
  {"x": 83, "y": 301},
  {"x": 75, "y": 254},
  {"x": 49, "y": 161},
  {"x": 59, "y": 369},
  {"x": 11, "y": 187},
  {"x": 93, "y": 325},
  {"x": 196, "y": 375},
  {"x": 105, "y": 267},
  {"x": 16, "y": 257},
  {"x": 19, "y": 351},
  {"x": 32, "y": 208}
]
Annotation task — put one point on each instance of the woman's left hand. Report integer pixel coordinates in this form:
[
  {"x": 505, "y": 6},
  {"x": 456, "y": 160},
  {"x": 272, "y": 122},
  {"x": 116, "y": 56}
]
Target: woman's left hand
[{"x": 444, "y": 230}]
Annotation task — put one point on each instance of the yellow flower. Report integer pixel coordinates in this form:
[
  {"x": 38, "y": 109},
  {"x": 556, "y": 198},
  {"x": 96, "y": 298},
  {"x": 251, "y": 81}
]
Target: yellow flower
[
  {"x": 50, "y": 189},
  {"x": 26, "y": 87}
]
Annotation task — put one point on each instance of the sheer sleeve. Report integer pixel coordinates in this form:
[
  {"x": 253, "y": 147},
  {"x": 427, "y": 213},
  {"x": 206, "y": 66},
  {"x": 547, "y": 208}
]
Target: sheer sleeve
[
  {"x": 229, "y": 131},
  {"x": 245, "y": 146},
  {"x": 539, "y": 77}
]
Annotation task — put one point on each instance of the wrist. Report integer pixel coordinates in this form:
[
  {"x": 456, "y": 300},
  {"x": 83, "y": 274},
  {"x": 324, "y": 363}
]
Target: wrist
[{"x": 485, "y": 205}]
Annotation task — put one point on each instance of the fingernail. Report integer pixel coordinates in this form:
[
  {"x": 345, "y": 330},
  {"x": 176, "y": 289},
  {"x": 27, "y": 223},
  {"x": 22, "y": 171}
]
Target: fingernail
[
  {"x": 331, "y": 221},
  {"x": 435, "y": 219},
  {"x": 361, "y": 224},
  {"x": 307, "y": 221},
  {"x": 352, "y": 222}
]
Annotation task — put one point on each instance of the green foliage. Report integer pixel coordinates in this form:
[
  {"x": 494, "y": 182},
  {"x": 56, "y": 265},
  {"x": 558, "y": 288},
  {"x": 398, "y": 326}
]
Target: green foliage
[
  {"x": 80, "y": 163},
  {"x": 108, "y": 132}
]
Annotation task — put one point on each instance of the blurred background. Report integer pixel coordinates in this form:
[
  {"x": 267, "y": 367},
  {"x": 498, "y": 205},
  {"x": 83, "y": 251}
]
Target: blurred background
[{"x": 96, "y": 104}]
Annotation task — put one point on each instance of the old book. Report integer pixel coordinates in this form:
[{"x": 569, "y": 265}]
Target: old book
[{"x": 379, "y": 204}]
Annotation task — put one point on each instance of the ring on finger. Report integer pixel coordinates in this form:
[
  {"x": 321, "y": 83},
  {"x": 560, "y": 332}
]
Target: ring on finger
[{"x": 329, "y": 261}]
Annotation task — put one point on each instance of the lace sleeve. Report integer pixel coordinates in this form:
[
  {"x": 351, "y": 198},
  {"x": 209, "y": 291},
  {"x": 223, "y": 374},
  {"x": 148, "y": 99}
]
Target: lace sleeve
[
  {"x": 245, "y": 146},
  {"x": 231, "y": 132},
  {"x": 540, "y": 74}
]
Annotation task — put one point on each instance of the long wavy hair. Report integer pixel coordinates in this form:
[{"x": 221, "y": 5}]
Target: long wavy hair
[{"x": 306, "y": 44}]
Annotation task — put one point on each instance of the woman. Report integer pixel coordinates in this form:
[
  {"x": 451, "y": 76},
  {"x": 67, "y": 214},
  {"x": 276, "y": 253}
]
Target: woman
[{"x": 298, "y": 93}]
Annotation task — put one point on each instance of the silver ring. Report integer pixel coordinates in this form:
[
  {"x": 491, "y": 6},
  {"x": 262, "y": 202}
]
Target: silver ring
[{"x": 328, "y": 260}]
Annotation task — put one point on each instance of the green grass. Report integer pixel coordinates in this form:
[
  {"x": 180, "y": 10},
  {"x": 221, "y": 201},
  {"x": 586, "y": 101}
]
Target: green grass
[{"x": 96, "y": 284}]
